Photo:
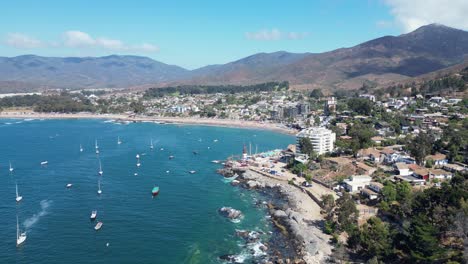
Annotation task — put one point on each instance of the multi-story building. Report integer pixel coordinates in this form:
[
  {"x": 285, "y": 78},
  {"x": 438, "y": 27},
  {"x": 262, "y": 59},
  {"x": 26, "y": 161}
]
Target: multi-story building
[
  {"x": 322, "y": 139},
  {"x": 330, "y": 106}
]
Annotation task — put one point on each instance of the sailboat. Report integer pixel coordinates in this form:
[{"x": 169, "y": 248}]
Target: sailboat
[
  {"x": 151, "y": 145},
  {"x": 96, "y": 147},
  {"x": 18, "y": 198},
  {"x": 20, "y": 237},
  {"x": 100, "y": 168},
  {"x": 11, "y": 168},
  {"x": 99, "y": 187},
  {"x": 81, "y": 148},
  {"x": 138, "y": 162},
  {"x": 118, "y": 141}
]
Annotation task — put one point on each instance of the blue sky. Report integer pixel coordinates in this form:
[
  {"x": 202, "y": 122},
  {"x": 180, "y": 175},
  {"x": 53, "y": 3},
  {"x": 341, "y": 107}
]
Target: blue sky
[{"x": 197, "y": 33}]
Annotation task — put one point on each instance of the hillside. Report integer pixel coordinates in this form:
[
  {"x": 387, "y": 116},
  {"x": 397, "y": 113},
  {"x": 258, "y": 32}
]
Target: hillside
[
  {"x": 379, "y": 62},
  {"x": 30, "y": 72}
]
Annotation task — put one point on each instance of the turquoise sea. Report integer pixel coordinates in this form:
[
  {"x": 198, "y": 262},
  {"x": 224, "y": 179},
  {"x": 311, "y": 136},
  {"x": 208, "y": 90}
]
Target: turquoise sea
[{"x": 181, "y": 225}]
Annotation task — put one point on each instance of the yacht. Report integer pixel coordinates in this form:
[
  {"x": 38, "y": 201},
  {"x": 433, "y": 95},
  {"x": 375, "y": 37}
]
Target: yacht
[
  {"x": 99, "y": 187},
  {"x": 11, "y": 168},
  {"x": 18, "y": 197},
  {"x": 100, "y": 168},
  {"x": 192, "y": 172},
  {"x": 98, "y": 226},
  {"x": 93, "y": 215},
  {"x": 69, "y": 185},
  {"x": 118, "y": 141},
  {"x": 20, "y": 237}
]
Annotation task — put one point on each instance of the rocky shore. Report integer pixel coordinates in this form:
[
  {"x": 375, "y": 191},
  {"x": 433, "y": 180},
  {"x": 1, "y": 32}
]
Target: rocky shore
[{"x": 296, "y": 216}]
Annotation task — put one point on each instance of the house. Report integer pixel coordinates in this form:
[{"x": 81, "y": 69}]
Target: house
[
  {"x": 376, "y": 186},
  {"x": 370, "y": 154},
  {"x": 440, "y": 174},
  {"x": 369, "y": 194},
  {"x": 419, "y": 172},
  {"x": 410, "y": 179},
  {"x": 403, "y": 169},
  {"x": 356, "y": 183},
  {"x": 377, "y": 140},
  {"x": 438, "y": 159},
  {"x": 453, "y": 167}
]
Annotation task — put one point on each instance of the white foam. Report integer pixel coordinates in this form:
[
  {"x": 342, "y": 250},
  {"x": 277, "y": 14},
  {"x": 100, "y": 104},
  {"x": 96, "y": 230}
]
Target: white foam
[{"x": 30, "y": 222}]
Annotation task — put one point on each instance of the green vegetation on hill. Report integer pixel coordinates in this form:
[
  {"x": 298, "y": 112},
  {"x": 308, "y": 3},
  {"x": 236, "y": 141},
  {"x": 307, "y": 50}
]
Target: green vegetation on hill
[
  {"x": 63, "y": 103},
  {"x": 211, "y": 89}
]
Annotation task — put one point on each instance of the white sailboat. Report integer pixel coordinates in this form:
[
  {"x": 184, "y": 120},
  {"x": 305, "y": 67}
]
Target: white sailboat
[
  {"x": 151, "y": 145},
  {"x": 81, "y": 148},
  {"x": 100, "y": 168},
  {"x": 138, "y": 162},
  {"x": 18, "y": 197},
  {"x": 20, "y": 237},
  {"x": 96, "y": 147},
  {"x": 119, "y": 141},
  {"x": 11, "y": 168},
  {"x": 99, "y": 187}
]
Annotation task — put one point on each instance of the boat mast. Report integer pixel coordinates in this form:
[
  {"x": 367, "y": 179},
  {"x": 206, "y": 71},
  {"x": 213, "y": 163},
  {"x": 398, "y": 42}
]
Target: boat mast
[{"x": 16, "y": 190}]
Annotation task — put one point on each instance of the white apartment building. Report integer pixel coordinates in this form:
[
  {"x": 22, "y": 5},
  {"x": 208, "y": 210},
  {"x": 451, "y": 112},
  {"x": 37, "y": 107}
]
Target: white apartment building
[{"x": 322, "y": 139}]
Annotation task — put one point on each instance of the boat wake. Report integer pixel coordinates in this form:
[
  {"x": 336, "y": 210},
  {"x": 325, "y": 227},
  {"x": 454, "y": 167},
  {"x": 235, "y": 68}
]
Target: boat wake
[{"x": 30, "y": 222}]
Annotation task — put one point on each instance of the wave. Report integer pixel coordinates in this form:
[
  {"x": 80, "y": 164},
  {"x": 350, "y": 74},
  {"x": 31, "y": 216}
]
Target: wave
[{"x": 30, "y": 222}]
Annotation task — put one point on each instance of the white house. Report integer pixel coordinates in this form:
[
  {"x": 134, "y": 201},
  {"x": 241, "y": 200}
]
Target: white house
[
  {"x": 356, "y": 183},
  {"x": 403, "y": 169}
]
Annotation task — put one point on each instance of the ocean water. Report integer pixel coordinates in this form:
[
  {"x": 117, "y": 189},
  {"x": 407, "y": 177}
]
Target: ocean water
[{"x": 181, "y": 225}]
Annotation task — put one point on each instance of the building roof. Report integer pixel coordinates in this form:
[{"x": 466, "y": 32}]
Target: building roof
[
  {"x": 377, "y": 184},
  {"x": 401, "y": 166},
  {"x": 418, "y": 169},
  {"x": 368, "y": 152},
  {"x": 439, "y": 172},
  {"x": 377, "y": 138},
  {"x": 437, "y": 156}
]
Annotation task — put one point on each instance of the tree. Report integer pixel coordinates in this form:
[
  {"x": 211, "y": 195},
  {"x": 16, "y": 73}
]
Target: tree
[
  {"x": 306, "y": 145},
  {"x": 424, "y": 245},
  {"x": 137, "y": 107},
  {"x": 403, "y": 191},
  {"x": 316, "y": 93},
  {"x": 421, "y": 146},
  {"x": 375, "y": 239},
  {"x": 347, "y": 213},
  {"x": 389, "y": 193},
  {"x": 361, "y": 136},
  {"x": 361, "y": 106}
]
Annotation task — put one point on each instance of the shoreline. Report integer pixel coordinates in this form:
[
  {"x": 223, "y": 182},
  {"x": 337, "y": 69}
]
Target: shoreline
[
  {"x": 296, "y": 216},
  {"x": 166, "y": 120}
]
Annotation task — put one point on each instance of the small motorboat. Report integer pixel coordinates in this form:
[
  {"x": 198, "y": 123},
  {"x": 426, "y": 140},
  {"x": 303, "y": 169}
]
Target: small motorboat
[
  {"x": 43, "y": 163},
  {"x": 192, "y": 172},
  {"x": 98, "y": 226},
  {"x": 167, "y": 171},
  {"x": 195, "y": 152},
  {"x": 93, "y": 215},
  {"x": 155, "y": 191},
  {"x": 171, "y": 157},
  {"x": 69, "y": 185},
  {"x": 216, "y": 161},
  {"x": 215, "y": 140},
  {"x": 161, "y": 149},
  {"x": 136, "y": 174},
  {"x": 137, "y": 156}
]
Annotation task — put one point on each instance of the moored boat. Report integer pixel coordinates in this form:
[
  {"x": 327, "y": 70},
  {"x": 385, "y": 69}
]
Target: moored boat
[
  {"x": 192, "y": 172},
  {"x": 98, "y": 226},
  {"x": 155, "y": 191},
  {"x": 93, "y": 215},
  {"x": 69, "y": 185},
  {"x": 20, "y": 237},
  {"x": 45, "y": 162}
]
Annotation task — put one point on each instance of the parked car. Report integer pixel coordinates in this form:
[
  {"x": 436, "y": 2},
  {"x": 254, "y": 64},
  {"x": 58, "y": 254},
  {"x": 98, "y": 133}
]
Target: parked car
[{"x": 307, "y": 184}]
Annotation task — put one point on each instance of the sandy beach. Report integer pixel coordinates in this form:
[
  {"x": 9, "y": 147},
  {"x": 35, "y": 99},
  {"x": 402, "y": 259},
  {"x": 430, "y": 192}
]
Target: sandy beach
[{"x": 141, "y": 118}]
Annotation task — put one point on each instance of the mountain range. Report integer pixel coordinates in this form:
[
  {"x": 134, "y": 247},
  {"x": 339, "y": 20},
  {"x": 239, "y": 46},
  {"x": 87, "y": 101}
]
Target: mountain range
[{"x": 380, "y": 61}]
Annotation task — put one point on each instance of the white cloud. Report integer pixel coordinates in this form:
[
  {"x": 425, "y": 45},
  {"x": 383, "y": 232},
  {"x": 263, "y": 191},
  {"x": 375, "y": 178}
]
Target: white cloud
[
  {"x": 22, "y": 41},
  {"x": 411, "y": 14},
  {"x": 77, "y": 39},
  {"x": 275, "y": 34}
]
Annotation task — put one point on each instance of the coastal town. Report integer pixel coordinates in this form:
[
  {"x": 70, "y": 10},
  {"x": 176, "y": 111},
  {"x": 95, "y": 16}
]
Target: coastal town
[{"x": 359, "y": 164}]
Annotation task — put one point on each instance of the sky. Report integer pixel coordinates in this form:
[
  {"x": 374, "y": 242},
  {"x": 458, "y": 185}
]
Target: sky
[{"x": 196, "y": 33}]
